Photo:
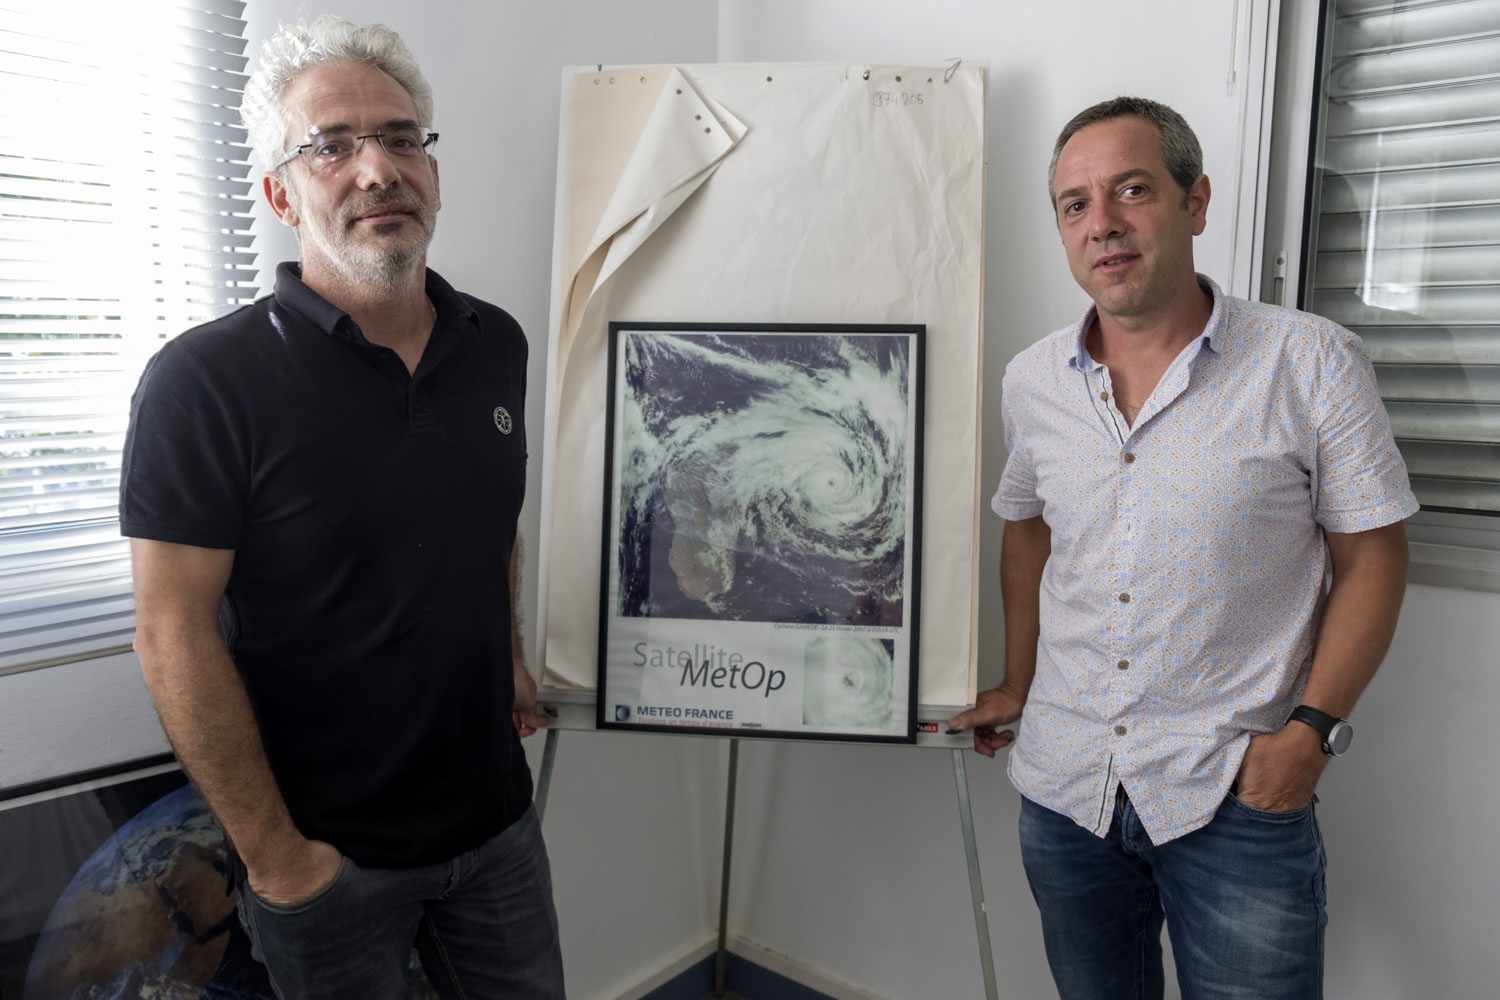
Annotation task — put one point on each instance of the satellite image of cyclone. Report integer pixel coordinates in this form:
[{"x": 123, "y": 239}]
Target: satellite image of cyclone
[{"x": 763, "y": 477}]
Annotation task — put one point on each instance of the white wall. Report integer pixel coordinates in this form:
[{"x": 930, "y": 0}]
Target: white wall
[
  {"x": 1409, "y": 817},
  {"x": 849, "y": 859}
]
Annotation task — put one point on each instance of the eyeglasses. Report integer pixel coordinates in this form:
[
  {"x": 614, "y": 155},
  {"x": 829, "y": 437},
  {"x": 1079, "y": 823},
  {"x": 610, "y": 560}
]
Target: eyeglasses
[{"x": 331, "y": 150}]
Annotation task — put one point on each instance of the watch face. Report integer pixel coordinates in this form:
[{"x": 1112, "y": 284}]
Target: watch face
[{"x": 1339, "y": 738}]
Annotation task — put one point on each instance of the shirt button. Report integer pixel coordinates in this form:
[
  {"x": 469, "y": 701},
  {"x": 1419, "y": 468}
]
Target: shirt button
[
  {"x": 1123, "y": 664},
  {"x": 1124, "y": 598},
  {"x": 1119, "y": 730},
  {"x": 1129, "y": 457},
  {"x": 1104, "y": 396}
]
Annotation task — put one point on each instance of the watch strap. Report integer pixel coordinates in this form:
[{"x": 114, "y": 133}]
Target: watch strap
[{"x": 1319, "y": 720}]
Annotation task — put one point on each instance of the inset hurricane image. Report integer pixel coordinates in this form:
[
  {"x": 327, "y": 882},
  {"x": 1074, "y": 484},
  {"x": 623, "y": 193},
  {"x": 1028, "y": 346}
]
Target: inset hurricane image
[
  {"x": 763, "y": 477},
  {"x": 847, "y": 681}
]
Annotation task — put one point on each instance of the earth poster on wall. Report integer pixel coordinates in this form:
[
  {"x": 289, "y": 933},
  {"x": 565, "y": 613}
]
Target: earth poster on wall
[{"x": 117, "y": 888}]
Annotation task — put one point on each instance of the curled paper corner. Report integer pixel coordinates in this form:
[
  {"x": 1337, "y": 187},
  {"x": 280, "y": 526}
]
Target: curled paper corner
[{"x": 682, "y": 142}]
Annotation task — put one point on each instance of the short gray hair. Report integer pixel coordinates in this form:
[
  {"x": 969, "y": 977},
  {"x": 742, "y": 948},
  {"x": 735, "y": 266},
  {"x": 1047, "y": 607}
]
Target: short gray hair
[
  {"x": 297, "y": 48},
  {"x": 1179, "y": 146}
]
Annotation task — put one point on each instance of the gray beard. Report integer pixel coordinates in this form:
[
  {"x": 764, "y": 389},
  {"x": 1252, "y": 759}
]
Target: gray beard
[
  {"x": 388, "y": 270},
  {"x": 362, "y": 266}
]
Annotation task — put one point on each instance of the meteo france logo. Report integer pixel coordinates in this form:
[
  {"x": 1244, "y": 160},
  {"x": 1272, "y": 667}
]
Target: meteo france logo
[
  {"x": 502, "y": 419},
  {"x": 622, "y": 713}
]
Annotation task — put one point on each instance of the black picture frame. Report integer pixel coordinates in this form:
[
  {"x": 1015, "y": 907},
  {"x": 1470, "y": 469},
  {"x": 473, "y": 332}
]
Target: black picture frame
[{"x": 761, "y": 554}]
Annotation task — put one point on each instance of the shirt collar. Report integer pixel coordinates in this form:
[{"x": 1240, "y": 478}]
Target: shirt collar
[
  {"x": 1215, "y": 331},
  {"x": 293, "y": 293}
]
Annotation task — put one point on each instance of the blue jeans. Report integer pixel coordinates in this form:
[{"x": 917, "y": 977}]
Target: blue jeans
[
  {"x": 483, "y": 924},
  {"x": 1242, "y": 898}
]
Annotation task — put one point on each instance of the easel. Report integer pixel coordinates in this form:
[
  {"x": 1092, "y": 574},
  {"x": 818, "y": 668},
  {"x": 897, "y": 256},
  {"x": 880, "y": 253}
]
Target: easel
[{"x": 575, "y": 710}]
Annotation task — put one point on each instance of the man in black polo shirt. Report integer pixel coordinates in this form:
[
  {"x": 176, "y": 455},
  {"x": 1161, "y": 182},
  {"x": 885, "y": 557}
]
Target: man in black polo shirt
[{"x": 322, "y": 492}]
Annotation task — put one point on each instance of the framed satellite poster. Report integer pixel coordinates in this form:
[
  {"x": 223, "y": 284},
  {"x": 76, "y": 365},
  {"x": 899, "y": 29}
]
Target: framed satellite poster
[{"x": 762, "y": 530}]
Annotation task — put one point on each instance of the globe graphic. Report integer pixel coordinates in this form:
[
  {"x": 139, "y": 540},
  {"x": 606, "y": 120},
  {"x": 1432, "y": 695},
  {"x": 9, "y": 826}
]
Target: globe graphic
[{"x": 150, "y": 916}]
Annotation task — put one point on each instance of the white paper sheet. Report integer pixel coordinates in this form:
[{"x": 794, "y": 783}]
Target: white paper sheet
[{"x": 768, "y": 193}]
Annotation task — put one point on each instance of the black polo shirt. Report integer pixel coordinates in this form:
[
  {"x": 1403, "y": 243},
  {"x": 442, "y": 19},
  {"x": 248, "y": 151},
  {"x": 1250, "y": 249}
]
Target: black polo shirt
[{"x": 372, "y": 514}]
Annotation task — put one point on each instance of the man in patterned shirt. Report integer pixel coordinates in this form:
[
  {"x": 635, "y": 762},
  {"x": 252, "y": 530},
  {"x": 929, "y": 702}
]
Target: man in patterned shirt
[{"x": 1178, "y": 461}]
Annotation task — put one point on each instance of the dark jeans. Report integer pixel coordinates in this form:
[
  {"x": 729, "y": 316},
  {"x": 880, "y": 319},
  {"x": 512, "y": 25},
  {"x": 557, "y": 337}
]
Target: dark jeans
[
  {"x": 1242, "y": 898},
  {"x": 483, "y": 924}
]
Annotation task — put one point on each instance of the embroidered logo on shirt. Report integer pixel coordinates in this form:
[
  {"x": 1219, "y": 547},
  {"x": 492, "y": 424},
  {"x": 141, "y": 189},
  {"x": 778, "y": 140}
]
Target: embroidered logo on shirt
[{"x": 502, "y": 419}]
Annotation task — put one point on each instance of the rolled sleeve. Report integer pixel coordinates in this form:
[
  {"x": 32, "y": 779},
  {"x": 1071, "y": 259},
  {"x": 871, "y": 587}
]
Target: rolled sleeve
[
  {"x": 1362, "y": 480},
  {"x": 1016, "y": 497}
]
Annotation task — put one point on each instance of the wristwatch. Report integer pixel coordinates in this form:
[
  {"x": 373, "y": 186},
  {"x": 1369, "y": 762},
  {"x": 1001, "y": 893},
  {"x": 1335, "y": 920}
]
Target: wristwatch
[{"x": 1337, "y": 733}]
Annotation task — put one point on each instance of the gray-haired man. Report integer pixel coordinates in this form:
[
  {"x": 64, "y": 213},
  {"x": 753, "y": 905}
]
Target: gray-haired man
[{"x": 322, "y": 490}]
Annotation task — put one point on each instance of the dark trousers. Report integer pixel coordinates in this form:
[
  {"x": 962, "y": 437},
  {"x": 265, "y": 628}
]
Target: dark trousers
[{"x": 483, "y": 924}]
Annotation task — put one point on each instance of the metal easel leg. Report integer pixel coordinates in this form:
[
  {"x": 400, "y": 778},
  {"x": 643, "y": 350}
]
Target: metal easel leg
[
  {"x": 976, "y": 886},
  {"x": 721, "y": 957},
  {"x": 544, "y": 773}
]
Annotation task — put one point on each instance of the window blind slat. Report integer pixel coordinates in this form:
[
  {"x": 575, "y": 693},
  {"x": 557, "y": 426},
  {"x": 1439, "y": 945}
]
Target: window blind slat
[
  {"x": 209, "y": 94},
  {"x": 1438, "y": 493},
  {"x": 1474, "y": 422},
  {"x": 230, "y": 9},
  {"x": 224, "y": 20},
  {"x": 16, "y": 472},
  {"x": 201, "y": 42},
  {"x": 1357, "y": 8},
  {"x": 1433, "y": 188},
  {"x": 215, "y": 186},
  {"x": 1475, "y": 345},
  {"x": 1476, "y": 143},
  {"x": 1375, "y": 26},
  {"x": 1440, "y": 306},
  {"x": 184, "y": 79},
  {"x": 200, "y": 131},
  {"x": 1395, "y": 112},
  {"x": 1453, "y": 460},
  {"x": 202, "y": 209},
  {"x": 1420, "y": 148},
  {"x": 1400, "y": 227},
  {"x": 59, "y": 211},
  {"x": 1413, "y": 267},
  {"x": 1440, "y": 383},
  {"x": 81, "y": 503},
  {"x": 13, "y": 163},
  {"x": 91, "y": 612},
  {"x": 180, "y": 265},
  {"x": 50, "y": 189},
  {"x": 1420, "y": 69}
]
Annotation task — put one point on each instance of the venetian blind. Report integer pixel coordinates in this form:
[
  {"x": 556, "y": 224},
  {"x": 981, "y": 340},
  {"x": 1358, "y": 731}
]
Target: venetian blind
[
  {"x": 1404, "y": 245},
  {"x": 124, "y": 219}
]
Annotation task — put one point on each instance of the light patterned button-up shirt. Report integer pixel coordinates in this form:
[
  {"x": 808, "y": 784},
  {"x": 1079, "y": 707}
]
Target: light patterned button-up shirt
[{"x": 1182, "y": 596}]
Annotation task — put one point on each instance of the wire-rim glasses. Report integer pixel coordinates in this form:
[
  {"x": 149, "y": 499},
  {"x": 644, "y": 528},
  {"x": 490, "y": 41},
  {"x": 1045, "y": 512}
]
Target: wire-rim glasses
[{"x": 330, "y": 150}]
